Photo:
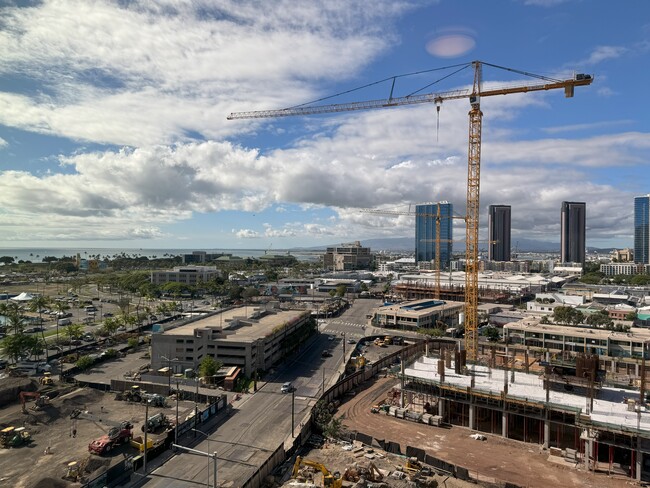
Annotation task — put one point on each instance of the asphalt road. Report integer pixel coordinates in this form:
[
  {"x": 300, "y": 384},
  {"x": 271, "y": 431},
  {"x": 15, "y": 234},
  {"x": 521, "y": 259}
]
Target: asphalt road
[{"x": 259, "y": 424}]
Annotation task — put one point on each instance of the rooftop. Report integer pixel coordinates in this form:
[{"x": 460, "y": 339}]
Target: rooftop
[
  {"x": 609, "y": 409},
  {"x": 240, "y": 324},
  {"x": 640, "y": 333},
  {"x": 419, "y": 307}
]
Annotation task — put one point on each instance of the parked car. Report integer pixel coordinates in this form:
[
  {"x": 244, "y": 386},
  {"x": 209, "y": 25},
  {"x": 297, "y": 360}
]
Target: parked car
[
  {"x": 286, "y": 387},
  {"x": 326, "y": 354},
  {"x": 351, "y": 341}
]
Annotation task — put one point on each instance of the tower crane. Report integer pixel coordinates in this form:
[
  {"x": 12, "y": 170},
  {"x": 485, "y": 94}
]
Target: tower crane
[{"x": 542, "y": 83}]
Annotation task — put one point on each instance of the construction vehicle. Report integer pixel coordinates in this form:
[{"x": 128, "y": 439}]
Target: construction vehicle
[
  {"x": 541, "y": 83},
  {"x": 315, "y": 472},
  {"x": 132, "y": 395},
  {"x": 40, "y": 400},
  {"x": 154, "y": 399},
  {"x": 356, "y": 472},
  {"x": 114, "y": 437},
  {"x": 155, "y": 422},
  {"x": 138, "y": 443},
  {"x": 46, "y": 379},
  {"x": 75, "y": 470},
  {"x": 14, "y": 437}
]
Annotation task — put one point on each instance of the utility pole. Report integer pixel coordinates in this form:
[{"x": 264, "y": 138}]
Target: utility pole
[
  {"x": 293, "y": 397},
  {"x": 146, "y": 430},
  {"x": 178, "y": 392}
]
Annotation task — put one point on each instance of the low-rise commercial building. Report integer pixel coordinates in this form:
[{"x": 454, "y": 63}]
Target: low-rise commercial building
[
  {"x": 251, "y": 339},
  {"x": 187, "y": 275},
  {"x": 607, "y": 344},
  {"x": 426, "y": 314}
]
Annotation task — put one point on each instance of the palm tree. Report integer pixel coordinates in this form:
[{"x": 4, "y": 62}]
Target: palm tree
[
  {"x": 37, "y": 304},
  {"x": 73, "y": 332},
  {"x": 13, "y": 316}
]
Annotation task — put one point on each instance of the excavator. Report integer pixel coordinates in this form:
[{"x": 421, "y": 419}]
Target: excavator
[
  {"x": 329, "y": 480},
  {"x": 41, "y": 400}
]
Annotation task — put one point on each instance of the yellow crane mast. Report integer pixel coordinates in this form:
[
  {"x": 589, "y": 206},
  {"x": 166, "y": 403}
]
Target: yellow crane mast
[{"x": 542, "y": 83}]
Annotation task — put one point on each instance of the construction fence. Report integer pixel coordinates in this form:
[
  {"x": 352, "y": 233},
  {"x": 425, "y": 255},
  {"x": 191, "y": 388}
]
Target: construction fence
[
  {"x": 122, "y": 471},
  {"x": 440, "y": 466}
]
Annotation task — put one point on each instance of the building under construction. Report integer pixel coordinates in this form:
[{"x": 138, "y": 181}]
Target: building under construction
[{"x": 569, "y": 411}]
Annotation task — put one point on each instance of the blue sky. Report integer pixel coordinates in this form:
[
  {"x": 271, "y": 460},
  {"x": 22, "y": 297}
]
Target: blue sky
[{"x": 113, "y": 129}]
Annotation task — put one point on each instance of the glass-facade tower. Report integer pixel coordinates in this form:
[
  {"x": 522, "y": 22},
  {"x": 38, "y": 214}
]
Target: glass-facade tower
[
  {"x": 499, "y": 232},
  {"x": 572, "y": 238},
  {"x": 642, "y": 229},
  {"x": 425, "y": 232}
]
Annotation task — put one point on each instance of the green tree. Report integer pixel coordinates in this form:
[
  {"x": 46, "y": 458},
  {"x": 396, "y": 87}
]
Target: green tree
[
  {"x": 14, "y": 318},
  {"x": 341, "y": 290},
  {"x": 84, "y": 362},
  {"x": 492, "y": 334},
  {"x": 249, "y": 292},
  {"x": 6, "y": 260},
  {"x": 111, "y": 325},
  {"x": 630, "y": 316},
  {"x": 209, "y": 367},
  {"x": 73, "y": 332}
]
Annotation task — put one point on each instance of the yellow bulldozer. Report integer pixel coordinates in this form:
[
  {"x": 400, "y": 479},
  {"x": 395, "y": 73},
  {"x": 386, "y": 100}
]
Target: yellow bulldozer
[{"x": 313, "y": 471}]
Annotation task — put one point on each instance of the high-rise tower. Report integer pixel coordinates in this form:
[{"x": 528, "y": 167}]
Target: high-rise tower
[
  {"x": 499, "y": 232},
  {"x": 572, "y": 238},
  {"x": 642, "y": 229},
  {"x": 425, "y": 232}
]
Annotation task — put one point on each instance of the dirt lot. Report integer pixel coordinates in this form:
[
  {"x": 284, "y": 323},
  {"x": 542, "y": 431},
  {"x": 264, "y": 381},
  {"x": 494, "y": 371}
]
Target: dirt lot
[
  {"x": 29, "y": 466},
  {"x": 495, "y": 459}
]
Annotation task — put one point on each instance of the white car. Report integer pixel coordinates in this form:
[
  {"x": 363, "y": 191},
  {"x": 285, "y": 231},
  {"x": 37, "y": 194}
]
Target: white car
[{"x": 286, "y": 387}]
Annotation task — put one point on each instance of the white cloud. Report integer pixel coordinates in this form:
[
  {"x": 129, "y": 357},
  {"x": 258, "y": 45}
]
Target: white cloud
[
  {"x": 137, "y": 75},
  {"x": 246, "y": 234}
]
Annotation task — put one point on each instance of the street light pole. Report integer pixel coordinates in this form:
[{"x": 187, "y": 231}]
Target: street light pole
[
  {"x": 207, "y": 484},
  {"x": 178, "y": 392},
  {"x": 196, "y": 451},
  {"x": 293, "y": 397},
  {"x": 146, "y": 430}
]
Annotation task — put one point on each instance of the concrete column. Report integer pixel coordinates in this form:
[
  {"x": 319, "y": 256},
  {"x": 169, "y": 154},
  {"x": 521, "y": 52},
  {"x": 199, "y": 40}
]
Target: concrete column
[
  {"x": 639, "y": 464},
  {"x": 472, "y": 416},
  {"x": 547, "y": 433},
  {"x": 613, "y": 365},
  {"x": 504, "y": 424},
  {"x": 636, "y": 369},
  {"x": 589, "y": 449},
  {"x": 441, "y": 408}
]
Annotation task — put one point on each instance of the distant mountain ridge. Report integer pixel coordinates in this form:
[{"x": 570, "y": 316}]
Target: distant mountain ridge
[{"x": 407, "y": 244}]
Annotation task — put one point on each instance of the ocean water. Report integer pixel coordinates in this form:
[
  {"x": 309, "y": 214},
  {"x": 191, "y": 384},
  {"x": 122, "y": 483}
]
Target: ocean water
[{"x": 36, "y": 255}]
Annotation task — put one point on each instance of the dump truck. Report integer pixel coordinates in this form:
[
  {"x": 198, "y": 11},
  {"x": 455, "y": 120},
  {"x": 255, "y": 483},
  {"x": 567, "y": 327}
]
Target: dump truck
[
  {"x": 138, "y": 442},
  {"x": 114, "y": 437}
]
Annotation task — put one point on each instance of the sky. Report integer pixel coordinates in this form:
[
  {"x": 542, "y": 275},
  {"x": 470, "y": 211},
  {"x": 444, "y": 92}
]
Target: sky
[{"x": 113, "y": 128}]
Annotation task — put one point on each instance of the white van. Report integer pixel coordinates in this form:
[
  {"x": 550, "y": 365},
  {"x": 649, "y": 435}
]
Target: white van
[{"x": 61, "y": 322}]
